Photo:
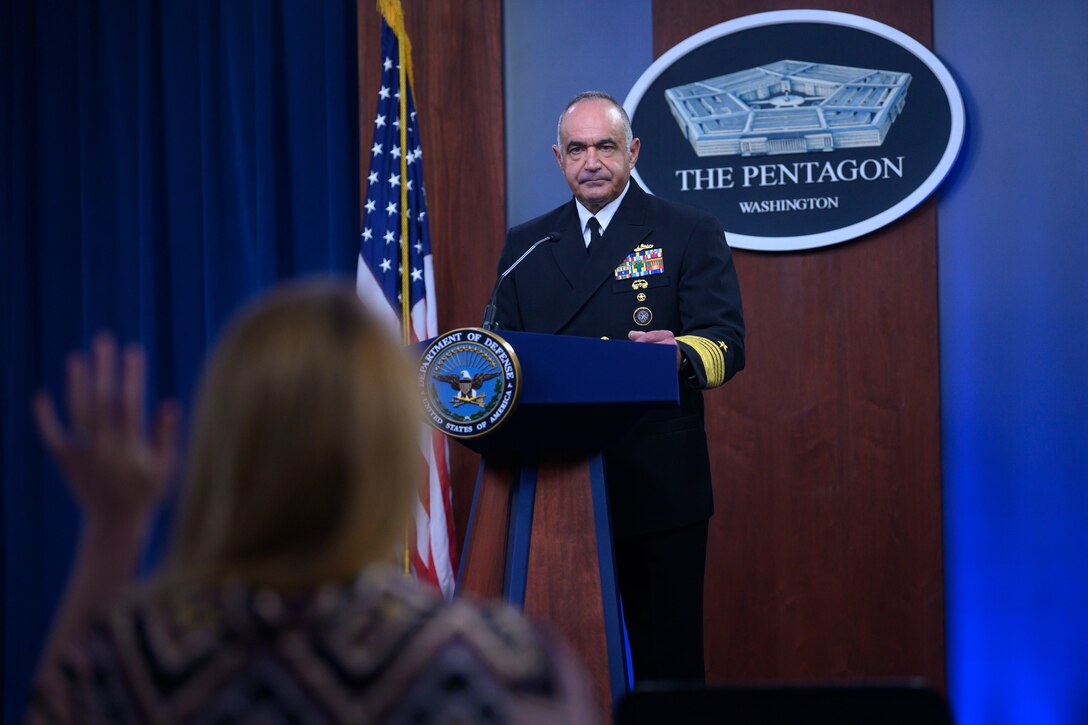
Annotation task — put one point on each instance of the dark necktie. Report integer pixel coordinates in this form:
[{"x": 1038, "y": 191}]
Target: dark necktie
[{"x": 594, "y": 233}]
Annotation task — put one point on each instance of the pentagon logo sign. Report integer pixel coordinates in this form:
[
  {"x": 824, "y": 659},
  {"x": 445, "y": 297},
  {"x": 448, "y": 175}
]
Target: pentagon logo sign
[
  {"x": 789, "y": 107},
  {"x": 798, "y": 128},
  {"x": 470, "y": 380}
]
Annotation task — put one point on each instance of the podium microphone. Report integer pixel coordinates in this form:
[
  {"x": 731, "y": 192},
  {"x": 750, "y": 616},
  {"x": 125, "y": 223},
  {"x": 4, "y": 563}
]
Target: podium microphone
[{"x": 489, "y": 311}]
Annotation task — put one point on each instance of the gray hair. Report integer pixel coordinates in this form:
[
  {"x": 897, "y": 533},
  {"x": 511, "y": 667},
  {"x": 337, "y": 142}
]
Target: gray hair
[{"x": 628, "y": 136}]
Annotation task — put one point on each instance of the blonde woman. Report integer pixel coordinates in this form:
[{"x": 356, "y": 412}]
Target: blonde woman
[{"x": 277, "y": 602}]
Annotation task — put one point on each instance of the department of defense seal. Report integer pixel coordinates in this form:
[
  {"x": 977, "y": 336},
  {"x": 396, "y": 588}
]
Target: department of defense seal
[{"x": 470, "y": 380}]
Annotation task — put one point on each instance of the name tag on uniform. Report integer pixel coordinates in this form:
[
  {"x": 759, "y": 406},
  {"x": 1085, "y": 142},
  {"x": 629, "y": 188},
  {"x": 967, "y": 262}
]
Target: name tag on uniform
[{"x": 641, "y": 264}]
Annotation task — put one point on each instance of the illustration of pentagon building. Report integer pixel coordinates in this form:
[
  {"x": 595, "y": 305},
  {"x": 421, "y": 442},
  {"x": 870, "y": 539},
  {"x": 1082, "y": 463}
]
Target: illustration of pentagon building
[{"x": 789, "y": 107}]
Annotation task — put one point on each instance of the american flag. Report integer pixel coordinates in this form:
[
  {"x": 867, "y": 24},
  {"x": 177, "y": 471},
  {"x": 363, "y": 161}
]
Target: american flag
[{"x": 394, "y": 256}]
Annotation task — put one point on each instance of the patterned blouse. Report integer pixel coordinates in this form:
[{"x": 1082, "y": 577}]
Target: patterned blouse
[{"x": 377, "y": 650}]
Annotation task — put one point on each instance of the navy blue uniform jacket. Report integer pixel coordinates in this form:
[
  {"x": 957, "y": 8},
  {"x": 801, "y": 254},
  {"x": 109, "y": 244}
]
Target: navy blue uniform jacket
[{"x": 659, "y": 472}]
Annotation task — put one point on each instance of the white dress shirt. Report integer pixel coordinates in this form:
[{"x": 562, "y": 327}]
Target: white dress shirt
[{"x": 604, "y": 216}]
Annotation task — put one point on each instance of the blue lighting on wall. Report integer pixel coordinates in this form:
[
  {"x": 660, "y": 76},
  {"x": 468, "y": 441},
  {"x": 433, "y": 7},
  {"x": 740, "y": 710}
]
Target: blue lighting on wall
[{"x": 1013, "y": 231}]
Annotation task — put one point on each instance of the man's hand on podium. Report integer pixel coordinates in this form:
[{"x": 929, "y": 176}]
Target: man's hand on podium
[{"x": 659, "y": 337}]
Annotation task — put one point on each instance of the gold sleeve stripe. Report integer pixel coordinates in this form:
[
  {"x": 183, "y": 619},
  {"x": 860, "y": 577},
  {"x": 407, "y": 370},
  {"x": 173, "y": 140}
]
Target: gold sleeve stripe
[{"x": 711, "y": 354}]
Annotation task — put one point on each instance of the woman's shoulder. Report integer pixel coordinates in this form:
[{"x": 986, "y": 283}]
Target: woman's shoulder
[
  {"x": 481, "y": 659},
  {"x": 393, "y": 618}
]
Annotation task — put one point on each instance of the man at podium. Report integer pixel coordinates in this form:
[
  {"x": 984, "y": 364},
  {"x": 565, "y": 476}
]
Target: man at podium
[{"x": 628, "y": 265}]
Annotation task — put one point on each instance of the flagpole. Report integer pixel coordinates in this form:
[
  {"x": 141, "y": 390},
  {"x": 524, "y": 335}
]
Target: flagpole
[
  {"x": 393, "y": 13},
  {"x": 405, "y": 278},
  {"x": 394, "y": 17}
]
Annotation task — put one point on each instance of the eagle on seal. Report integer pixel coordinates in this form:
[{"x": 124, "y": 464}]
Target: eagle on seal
[{"x": 465, "y": 384}]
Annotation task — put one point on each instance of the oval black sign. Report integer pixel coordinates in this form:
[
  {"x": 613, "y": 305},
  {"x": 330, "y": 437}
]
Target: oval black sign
[{"x": 797, "y": 128}]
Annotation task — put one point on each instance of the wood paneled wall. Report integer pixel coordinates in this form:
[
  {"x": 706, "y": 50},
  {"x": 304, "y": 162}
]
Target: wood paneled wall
[
  {"x": 825, "y": 551},
  {"x": 825, "y": 554},
  {"x": 457, "y": 59}
]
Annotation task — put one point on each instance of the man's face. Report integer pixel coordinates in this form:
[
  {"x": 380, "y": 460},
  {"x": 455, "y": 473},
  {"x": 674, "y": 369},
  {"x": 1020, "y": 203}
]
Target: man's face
[{"x": 593, "y": 157}]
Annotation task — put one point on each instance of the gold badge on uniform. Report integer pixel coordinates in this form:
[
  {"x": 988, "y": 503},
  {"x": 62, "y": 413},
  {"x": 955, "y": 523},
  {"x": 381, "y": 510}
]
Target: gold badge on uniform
[
  {"x": 642, "y": 316},
  {"x": 640, "y": 284},
  {"x": 641, "y": 297}
]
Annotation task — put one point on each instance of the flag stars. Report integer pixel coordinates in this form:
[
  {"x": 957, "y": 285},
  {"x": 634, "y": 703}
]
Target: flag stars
[
  {"x": 419, "y": 247},
  {"x": 383, "y": 92},
  {"x": 376, "y": 150},
  {"x": 409, "y": 184},
  {"x": 396, "y": 123},
  {"x": 368, "y": 233},
  {"x": 379, "y": 121},
  {"x": 386, "y": 265},
  {"x": 373, "y": 178},
  {"x": 396, "y": 152},
  {"x": 417, "y": 274},
  {"x": 387, "y": 64},
  {"x": 391, "y": 208},
  {"x": 370, "y": 205},
  {"x": 421, "y": 215},
  {"x": 390, "y": 237},
  {"x": 394, "y": 180}
]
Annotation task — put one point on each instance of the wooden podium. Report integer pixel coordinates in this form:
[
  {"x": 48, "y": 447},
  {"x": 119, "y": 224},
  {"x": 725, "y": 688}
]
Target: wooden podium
[{"x": 539, "y": 535}]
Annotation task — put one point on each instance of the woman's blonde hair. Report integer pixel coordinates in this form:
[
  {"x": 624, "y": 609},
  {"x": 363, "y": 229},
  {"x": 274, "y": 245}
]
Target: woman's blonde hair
[{"x": 304, "y": 447}]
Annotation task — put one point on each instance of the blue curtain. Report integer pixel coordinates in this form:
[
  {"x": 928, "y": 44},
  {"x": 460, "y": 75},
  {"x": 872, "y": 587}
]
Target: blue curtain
[{"x": 161, "y": 163}]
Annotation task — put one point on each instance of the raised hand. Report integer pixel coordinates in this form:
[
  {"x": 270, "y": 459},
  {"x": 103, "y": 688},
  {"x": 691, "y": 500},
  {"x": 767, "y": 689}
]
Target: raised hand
[{"x": 118, "y": 472}]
